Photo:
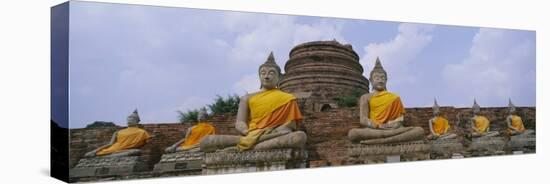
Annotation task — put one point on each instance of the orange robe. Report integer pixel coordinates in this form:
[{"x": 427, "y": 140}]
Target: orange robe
[
  {"x": 199, "y": 131},
  {"x": 440, "y": 125},
  {"x": 517, "y": 123},
  {"x": 385, "y": 106},
  {"x": 481, "y": 123},
  {"x": 128, "y": 138},
  {"x": 268, "y": 110}
]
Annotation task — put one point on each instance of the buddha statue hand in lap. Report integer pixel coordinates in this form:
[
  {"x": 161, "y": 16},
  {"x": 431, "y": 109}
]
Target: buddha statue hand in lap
[
  {"x": 381, "y": 114},
  {"x": 194, "y": 135},
  {"x": 125, "y": 142},
  {"x": 266, "y": 119},
  {"x": 439, "y": 125}
]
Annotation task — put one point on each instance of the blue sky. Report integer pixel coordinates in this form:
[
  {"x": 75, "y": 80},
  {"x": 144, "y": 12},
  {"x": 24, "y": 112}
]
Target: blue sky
[{"x": 161, "y": 60}]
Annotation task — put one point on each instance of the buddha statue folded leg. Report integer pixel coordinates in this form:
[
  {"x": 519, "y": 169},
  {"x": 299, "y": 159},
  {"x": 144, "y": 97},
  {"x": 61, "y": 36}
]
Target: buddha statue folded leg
[
  {"x": 296, "y": 139},
  {"x": 212, "y": 143},
  {"x": 448, "y": 136},
  {"x": 381, "y": 136},
  {"x": 124, "y": 153}
]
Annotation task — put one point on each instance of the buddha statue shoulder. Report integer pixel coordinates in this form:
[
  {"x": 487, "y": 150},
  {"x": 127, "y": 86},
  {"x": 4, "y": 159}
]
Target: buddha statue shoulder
[
  {"x": 125, "y": 142},
  {"x": 266, "y": 119},
  {"x": 382, "y": 114}
]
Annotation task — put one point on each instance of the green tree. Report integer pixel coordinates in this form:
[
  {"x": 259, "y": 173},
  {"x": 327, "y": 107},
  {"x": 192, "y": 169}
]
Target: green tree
[
  {"x": 189, "y": 116},
  {"x": 349, "y": 100},
  {"x": 222, "y": 105}
]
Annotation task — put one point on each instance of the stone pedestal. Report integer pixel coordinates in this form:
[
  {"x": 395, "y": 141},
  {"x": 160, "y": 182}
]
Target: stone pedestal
[
  {"x": 487, "y": 146},
  {"x": 108, "y": 166},
  {"x": 382, "y": 153},
  {"x": 445, "y": 148},
  {"x": 524, "y": 143},
  {"x": 223, "y": 162},
  {"x": 182, "y": 162}
]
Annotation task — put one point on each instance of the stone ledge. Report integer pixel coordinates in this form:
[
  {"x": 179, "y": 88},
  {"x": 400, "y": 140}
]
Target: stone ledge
[
  {"x": 526, "y": 143},
  {"x": 255, "y": 160},
  {"x": 357, "y": 150},
  {"x": 181, "y": 161},
  {"x": 107, "y": 166}
]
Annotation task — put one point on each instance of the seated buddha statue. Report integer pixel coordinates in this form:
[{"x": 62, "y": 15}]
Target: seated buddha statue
[
  {"x": 480, "y": 124},
  {"x": 266, "y": 119},
  {"x": 439, "y": 125},
  {"x": 194, "y": 135},
  {"x": 125, "y": 142},
  {"x": 514, "y": 122},
  {"x": 381, "y": 115}
]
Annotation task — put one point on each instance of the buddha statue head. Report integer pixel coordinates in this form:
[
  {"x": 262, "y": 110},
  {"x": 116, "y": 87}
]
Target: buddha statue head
[
  {"x": 202, "y": 115},
  {"x": 269, "y": 73},
  {"x": 133, "y": 119},
  {"x": 475, "y": 108},
  {"x": 435, "y": 108},
  {"x": 511, "y": 107},
  {"x": 378, "y": 77}
]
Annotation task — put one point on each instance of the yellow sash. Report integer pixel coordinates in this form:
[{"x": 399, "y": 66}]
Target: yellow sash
[
  {"x": 517, "y": 123},
  {"x": 481, "y": 123},
  {"x": 128, "y": 138},
  {"x": 385, "y": 106},
  {"x": 199, "y": 131},
  {"x": 440, "y": 125}
]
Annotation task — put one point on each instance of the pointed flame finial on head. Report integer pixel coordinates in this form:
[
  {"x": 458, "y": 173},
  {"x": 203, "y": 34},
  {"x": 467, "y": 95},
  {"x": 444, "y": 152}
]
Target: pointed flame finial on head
[
  {"x": 511, "y": 106},
  {"x": 378, "y": 68},
  {"x": 435, "y": 107}
]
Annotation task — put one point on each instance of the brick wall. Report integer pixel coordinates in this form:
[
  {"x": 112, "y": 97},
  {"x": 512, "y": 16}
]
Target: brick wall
[{"x": 327, "y": 131}]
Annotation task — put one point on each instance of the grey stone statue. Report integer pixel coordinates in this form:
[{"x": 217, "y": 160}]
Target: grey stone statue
[
  {"x": 284, "y": 135},
  {"x": 125, "y": 142},
  {"x": 514, "y": 122},
  {"x": 381, "y": 114},
  {"x": 480, "y": 124},
  {"x": 439, "y": 125}
]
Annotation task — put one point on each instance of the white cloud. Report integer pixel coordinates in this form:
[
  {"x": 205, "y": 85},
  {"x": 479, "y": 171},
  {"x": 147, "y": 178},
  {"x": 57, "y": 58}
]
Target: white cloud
[
  {"x": 257, "y": 35},
  {"x": 192, "y": 103},
  {"x": 247, "y": 84},
  {"x": 500, "y": 64},
  {"x": 398, "y": 53}
]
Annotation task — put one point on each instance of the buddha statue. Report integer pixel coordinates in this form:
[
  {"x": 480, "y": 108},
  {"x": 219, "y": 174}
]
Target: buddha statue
[
  {"x": 381, "y": 114},
  {"x": 194, "y": 135},
  {"x": 266, "y": 119},
  {"x": 514, "y": 122},
  {"x": 439, "y": 125},
  {"x": 480, "y": 124},
  {"x": 125, "y": 142}
]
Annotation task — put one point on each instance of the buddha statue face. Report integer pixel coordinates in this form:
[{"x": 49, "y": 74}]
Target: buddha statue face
[
  {"x": 132, "y": 121},
  {"x": 476, "y": 112},
  {"x": 269, "y": 77},
  {"x": 378, "y": 80},
  {"x": 437, "y": 113}
]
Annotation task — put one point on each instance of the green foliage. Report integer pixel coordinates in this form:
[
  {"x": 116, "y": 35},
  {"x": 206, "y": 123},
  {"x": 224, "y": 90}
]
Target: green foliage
[
  {"x": 189, "y": 116},
  {"x": 349, "y": 100},
  {"x": 225, "y": 105}
]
